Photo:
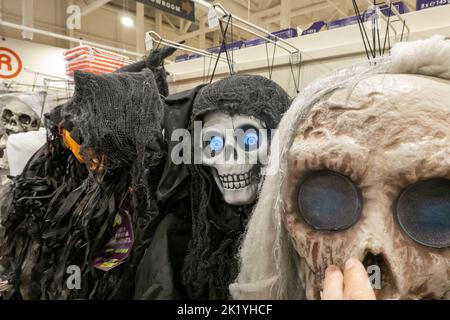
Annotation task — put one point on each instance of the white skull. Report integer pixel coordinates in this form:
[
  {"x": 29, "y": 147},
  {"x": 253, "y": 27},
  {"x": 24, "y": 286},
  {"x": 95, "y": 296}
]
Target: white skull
[
  {"x": 236, "y": 169},
  {"x": 385, "y": 134},
  {"x": 17, "y": 117}
]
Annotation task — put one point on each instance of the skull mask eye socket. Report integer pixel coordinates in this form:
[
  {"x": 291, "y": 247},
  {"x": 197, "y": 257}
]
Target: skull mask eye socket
[
  {"x": 213, "y": 144},
  {"x": 329, "y": 201},
  {"x": 423, "y": 212},
  {"x": 7, "y": 114},
  {"x": 25, "y": 119},
  {"x": 248, "y": 138}
]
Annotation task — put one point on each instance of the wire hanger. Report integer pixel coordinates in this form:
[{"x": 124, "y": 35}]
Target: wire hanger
[
  {"x": 161, "y": 41},
  {"x": 372, "y": 44},
  {"x": 226, "y": 19}
]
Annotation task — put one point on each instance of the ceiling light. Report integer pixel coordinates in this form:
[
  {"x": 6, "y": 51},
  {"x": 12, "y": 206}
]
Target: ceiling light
[{"x": 127, "y": 22}]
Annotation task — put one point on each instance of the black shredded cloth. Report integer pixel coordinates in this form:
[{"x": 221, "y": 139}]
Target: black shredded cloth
[
  {"x": 116, "y": 118},
  {"x": 30, "y": 249},
  {"x": 155, "y": 62}
]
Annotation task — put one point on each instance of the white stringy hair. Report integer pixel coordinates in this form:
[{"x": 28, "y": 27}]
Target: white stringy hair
[{"x": 268, "y": 269}]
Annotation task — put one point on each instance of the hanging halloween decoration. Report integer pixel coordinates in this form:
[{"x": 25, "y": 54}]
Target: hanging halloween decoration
[
  {"x": 101, "y": 222},
  {"x": 363, "y": 172},
  {"x": 220, "y": 189},
  {"x": 155, "y": 62}
]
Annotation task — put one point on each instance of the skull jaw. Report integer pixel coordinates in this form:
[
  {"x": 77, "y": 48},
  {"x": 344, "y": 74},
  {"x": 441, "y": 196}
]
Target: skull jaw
[
  {"x": 237, "y": 197},
  {"x": 240, "y": 197}
]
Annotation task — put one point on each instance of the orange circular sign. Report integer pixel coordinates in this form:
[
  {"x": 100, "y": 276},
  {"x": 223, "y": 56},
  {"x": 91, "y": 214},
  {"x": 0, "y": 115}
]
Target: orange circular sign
[{"x": 10, "y": 63}]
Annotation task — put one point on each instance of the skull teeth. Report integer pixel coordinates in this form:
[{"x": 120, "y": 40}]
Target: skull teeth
[{"x": 236, "y": 181}]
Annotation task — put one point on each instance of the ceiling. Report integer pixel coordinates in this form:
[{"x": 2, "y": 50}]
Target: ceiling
[{"x": 266, "y": 13}]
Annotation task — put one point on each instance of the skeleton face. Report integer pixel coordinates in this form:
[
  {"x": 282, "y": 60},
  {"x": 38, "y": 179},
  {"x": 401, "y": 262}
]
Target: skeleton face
[
  {"x": 18, "y": 117},
  {"x": 368, "y": 178},
  {"x": 232, "y": 147}
]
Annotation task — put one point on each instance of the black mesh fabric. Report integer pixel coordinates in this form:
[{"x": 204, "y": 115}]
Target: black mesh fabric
[
  {"x": 119, "y": 116},
  {"x": 244, "y": 94},
  {"x": 155, "y": 62}
]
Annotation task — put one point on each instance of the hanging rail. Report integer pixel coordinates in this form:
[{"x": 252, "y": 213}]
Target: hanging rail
[
  {"x": 223, "y": 14},
  {"x": 63, "y": 37},
  {"x": 158, "y": 39}
]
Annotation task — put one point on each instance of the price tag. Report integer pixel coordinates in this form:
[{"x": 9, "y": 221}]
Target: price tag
[
  {"x": 213, "y": 19},
  {"x": 148, "y": 42}
]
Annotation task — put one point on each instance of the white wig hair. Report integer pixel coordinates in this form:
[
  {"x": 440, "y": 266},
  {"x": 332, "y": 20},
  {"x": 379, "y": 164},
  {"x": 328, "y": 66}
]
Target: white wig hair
[{"x": 268, "y": 269}]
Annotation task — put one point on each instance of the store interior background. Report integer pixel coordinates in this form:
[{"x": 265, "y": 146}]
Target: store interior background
[{"x": 102, "y": 22}]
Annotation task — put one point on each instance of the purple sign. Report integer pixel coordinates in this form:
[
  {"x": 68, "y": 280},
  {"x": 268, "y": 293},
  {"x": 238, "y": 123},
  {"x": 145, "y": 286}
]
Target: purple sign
[
  {"x": 425, "y": 4},
  {"x": 229, "y": 47},
  {"x": 314, "y": 28},
  {"x": 118, "y": 248},
  {"x": 286, "y": 33},
  {"x": 194, "y": 56},
  {"x": 253, "y": 42},
  {"x": 400, "y": 6},
  {"x": 342, "y": 22},
  {"x": 283, "y": 34},
  {"x": 183, "y": 57}
]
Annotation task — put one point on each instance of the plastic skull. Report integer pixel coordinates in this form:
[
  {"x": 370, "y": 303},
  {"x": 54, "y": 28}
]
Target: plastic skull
[
  {"x": 368, "y": 178},
  {"x": 17, "y": 117},
  {"x": 233, "y": 146}
]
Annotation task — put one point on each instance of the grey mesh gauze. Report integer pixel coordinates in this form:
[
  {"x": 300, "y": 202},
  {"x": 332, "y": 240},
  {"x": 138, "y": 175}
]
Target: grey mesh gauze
[
  {"x": 119, "y": 116},
  {"x": 244, "y": 94}
]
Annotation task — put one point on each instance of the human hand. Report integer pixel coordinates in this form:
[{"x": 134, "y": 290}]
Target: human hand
[{"x": 352, "y": 284}]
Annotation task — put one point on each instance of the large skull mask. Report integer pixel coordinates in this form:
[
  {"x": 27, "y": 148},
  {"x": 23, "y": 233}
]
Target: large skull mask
[
  {"x": 18, "y": 117},
  {"x": 232, "y": 146},
  {"x": 362, "y": 148}
]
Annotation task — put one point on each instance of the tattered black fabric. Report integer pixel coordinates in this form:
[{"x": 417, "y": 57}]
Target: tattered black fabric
[
  {"x": 154, "y": 62},
  {"x": 30, "y": 250},
  {"x": 159, "y": 273},
  {"x": 211, "y": 263},
  {"x": 192, "y": 204},
  {"x": 117, "y": 119}
]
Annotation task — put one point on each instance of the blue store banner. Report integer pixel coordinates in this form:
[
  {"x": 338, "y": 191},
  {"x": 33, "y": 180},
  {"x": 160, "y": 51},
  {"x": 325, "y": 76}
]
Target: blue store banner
[
  {"x": 425, "y": 4},
  {"x": 181, "y": 8}
]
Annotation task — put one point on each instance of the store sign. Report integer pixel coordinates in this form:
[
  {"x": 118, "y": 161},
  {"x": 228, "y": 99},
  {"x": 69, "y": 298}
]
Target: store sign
[
  {"x": 10, "y": 63},
  {"x": 425, "y": 4},
  {"x": 181, "y": 8},
  {"x": 314, "y": 28}
]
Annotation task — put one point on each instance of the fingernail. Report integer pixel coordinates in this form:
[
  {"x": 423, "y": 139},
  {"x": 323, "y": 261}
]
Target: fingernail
[
  {"x": 351, "y": 263},
  {"x": 331, "y": 269}
]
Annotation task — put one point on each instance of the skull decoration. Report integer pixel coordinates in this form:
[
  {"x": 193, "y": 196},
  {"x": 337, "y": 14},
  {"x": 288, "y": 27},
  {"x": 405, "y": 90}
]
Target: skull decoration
[
  {"x": 232, "y": 147},
  {"x": 363, "y": 171},
  {"x": 368, "y": 178},
  {"x": 17, "y": 117}
]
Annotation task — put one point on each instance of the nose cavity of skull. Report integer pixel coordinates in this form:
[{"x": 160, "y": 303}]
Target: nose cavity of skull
[{"x": 380, "y": 275}]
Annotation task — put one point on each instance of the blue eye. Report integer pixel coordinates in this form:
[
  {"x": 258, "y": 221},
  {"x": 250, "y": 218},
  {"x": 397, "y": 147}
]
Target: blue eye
[
  {"x": 251, "y": 139},
  {"x": 216, "y": 143}
]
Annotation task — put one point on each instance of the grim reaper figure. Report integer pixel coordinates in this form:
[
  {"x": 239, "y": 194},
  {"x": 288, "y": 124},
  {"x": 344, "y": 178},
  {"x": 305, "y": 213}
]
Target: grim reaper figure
[
  {"x": 85, "y": 201},
  {"x": 206, "y": 203},
  {"x": 363, "y": 172}
]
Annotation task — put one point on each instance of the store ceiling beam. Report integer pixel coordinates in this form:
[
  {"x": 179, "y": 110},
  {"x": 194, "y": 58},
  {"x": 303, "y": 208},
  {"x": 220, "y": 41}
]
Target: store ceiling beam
[
  {"x": 337, "y": 8},
  {"x": 27, "y": 18},
  {"x": 140, "y": 27},
  {"x": 184, "y": 37},
  {"x": 298, "y": 12},
  {"x": 93, "y": 6},
  {"x": 170, "y": 22},
  {"x": 285, "y": 18}
]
